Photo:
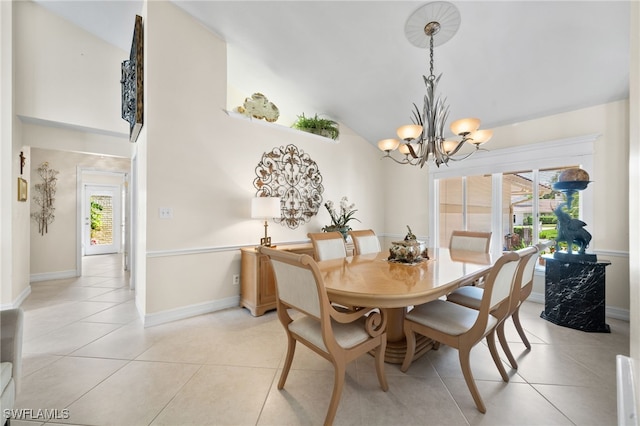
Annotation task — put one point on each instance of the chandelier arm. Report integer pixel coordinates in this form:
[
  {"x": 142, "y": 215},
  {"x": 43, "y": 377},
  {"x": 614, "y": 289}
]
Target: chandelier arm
[
  {"x": 405, "y": 160},
  {"x": 411, "y": 151},
  {"x": 457, "y": 148},
  {"x": 463, "y": 157}
]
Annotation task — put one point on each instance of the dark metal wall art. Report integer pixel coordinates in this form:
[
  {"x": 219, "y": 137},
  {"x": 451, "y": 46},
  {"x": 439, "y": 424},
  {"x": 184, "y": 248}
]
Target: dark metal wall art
[
  {"x": 131, "y": 83},
  {"x": 292, "y": 175}
]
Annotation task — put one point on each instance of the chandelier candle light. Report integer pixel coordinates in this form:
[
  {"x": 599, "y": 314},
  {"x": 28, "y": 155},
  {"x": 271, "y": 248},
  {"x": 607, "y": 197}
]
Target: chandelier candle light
[
  {"x": 265, "y": 208},
  {"x": 433, "y": 24}
]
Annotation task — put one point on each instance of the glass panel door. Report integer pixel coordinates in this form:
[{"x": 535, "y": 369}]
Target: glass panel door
[{"x": 102, "y": 220}]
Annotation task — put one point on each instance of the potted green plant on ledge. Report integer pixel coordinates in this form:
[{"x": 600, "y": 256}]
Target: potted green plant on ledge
[{"x": 319, "y": 126}]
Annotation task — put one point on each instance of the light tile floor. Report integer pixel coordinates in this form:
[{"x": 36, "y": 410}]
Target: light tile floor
[{"x": 86, "y": 351}]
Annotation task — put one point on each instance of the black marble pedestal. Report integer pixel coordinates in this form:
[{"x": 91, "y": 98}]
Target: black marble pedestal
[{"x": 575, "y": 294}]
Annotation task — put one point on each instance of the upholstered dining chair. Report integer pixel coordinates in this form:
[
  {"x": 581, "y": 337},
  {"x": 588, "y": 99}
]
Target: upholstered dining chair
[
  {"x": 328, "y": 245},
  {"x": 471, "y": 297},
  {"x": 525, "y": 279},
  {"x": 336, "y": 335},
  {"x": 470, "y": 240},
  {"x": 365, "y": 242},
  {"x": 461, "y": 327}
]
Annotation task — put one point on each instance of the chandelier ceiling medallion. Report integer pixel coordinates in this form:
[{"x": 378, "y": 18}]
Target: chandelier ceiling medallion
[{"x": 431, "y": 25}]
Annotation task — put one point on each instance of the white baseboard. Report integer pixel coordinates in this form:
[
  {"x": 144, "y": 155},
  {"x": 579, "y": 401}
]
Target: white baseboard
[
  {"x": 609, "y": 311},
  {"x": 617, "y": 313},
  {"x": 60, "y": 275},
  {"x": 190, "y": 311},
  {"x": 536, "y": 298},
  {"x": 16, "y": 303}
]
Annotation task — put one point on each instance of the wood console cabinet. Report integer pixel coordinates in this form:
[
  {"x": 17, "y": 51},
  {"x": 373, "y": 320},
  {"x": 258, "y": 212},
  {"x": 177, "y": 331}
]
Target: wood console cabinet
[{"x": 257, "y": 285}]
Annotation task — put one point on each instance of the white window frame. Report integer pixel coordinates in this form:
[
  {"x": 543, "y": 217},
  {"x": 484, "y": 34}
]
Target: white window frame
[{"x": 543, "y": 155}]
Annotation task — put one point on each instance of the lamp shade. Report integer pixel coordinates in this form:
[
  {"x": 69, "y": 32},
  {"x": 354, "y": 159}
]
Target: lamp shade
[
  {"x": 409, "y": 132},
  {"x": 265, "y": 207},
  {"x": 449, "y": 146},
  {"x": 465, "y": 126},
  {"x": 480, "y": 136},
  {"x": 404, "y": 149},
  {"x": 388, "y": 144}
]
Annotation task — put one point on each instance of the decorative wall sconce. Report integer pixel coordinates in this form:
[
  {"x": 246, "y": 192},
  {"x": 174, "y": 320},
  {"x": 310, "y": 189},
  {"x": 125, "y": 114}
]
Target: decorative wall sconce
[
  {"x": 265, "y": 208},
  {"x": 44, "y": 197},
  {"x": 290, "y": 174}
]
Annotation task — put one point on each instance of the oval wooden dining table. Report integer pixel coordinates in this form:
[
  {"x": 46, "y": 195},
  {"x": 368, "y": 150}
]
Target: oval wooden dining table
[{"x": 372, "y": 281}]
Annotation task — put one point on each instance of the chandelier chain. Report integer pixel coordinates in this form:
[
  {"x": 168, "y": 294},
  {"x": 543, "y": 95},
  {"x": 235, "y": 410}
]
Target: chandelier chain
[{"x": 431, "y": 76}]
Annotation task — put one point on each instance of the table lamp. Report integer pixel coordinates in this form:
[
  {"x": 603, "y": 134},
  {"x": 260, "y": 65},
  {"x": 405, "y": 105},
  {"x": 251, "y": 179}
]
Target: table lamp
[{"x": 265, "y": 208}]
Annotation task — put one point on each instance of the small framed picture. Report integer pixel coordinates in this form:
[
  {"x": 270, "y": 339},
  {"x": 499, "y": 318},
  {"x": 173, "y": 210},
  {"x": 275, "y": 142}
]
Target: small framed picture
[{"x": 22, "y": 189}]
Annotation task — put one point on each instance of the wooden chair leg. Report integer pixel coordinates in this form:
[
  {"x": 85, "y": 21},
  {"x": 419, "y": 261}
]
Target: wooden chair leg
[
  {"x": 338, "y": 384},
  {"x": 491, "y": 342},
  {"x": 516, "y": 321},
  {"x": 411, "y": 348},
  {"x": 463, "y": 354},
  {"x": 291, "y": 349},
  {"x": 382, "y": 378},
  {"x": 505, "y": 345}
]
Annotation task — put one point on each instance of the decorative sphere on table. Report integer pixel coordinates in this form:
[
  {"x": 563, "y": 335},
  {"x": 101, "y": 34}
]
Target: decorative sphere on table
[{"x": 573, "y": 175}]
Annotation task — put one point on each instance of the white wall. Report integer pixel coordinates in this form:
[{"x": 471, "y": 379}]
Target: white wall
[
  {"x": 201, "y": 163},
  {"x": 634, "y": 184},
  {"x": 53, "y": 255},
  {"x": 6, "y": 150},
  {"x": 59, "y": 85},
  {"x": 194, "y": 158},
  {"x": 57, "y": 61},
  {"x": 14, "y": 230}
]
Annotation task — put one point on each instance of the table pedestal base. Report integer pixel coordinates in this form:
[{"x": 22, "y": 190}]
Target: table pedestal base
[
  {"x": 396, "y": 341},
  {"x": 396, "y": 351}
]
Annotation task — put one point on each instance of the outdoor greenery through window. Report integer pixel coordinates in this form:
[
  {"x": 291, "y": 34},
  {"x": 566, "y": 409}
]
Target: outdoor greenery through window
[
  {"x": 101, "y": 220},
  {"x": 527, "y": 206}
]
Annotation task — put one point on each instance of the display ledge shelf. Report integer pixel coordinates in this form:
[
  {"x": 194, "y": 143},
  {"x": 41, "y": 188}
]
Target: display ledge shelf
[{"x": 235, "y": 114}]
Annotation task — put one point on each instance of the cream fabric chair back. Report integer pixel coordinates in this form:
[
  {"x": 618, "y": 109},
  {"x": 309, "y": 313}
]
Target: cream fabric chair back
[
  {"x": 328, "y": 245},
  {"x": 337, "y": 335},
  {"x": 503, "y": 284},
  {"x": 365, "y": 242},
  {"x": 528, "y": 269},
  {"x": 297, "y": 287},
  {"x": 469, "y": 240}
]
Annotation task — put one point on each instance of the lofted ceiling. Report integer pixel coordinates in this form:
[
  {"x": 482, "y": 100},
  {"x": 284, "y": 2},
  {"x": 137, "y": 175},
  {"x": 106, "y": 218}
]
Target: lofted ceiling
[{"x": 510, "y": 61}]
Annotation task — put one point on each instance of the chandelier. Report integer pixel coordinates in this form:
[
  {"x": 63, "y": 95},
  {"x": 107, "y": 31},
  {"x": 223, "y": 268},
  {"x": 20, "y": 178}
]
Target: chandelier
[{"x": 433, "y": 23}]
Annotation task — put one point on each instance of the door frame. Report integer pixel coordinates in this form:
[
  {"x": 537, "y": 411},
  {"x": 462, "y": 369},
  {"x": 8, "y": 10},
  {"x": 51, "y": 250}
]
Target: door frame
[{"x": 80, "y": 171}]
